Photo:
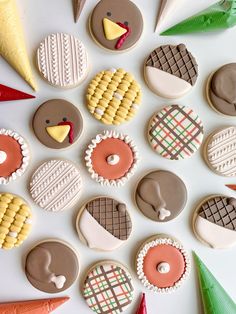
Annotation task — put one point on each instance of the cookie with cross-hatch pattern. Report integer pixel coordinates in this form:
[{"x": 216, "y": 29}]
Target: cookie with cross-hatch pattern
[
  {"x": 175, "y": 132},
  {"x": 108, "y": 288},
  {"x": 113, "y": 96},
  {"x": 214, "y": 221}
]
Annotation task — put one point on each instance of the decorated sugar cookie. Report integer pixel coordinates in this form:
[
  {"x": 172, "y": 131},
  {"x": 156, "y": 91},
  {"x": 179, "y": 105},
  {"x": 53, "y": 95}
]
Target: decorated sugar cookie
[
  {"x": 52, "y": 266},
  {"x": 113, "y": 96},
  {"x": 15, "y": 220},
  {"x": 161, "y": 195},
  {"x": 214, "y": 221},
  {"x": 14, "y": 156},
  {"x": 111, "y": 158},
  {"x": 104, "y": 224},
  {"x": 162, "y": 264},
  {"x": 108, "y": 288},
  {"x": 56, "y": 185},
  {"x": 116, "y": 25},
  {"x": 175, "y": 132},
  {"x": 57, "y": 124},
  {"x": 171, "y": 71},
  {"x": 62, "y": 60}
]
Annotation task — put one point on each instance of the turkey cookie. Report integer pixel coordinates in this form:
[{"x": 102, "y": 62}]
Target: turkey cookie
[
  {"x": 104, "y": 224},
  {"x": 52, "y": 266},
  {"x": 108, "y": 288},
  {"x": 113, "y": 96},
  {"x": 214, "y": 221},
  {"x": 220, "y": 90},
  {"x": 14, "y": 156},
  {"x": 62, "y": 60},
  {"x": 116, "y": 25},
  {"x": 161, "y": 195},
  {"x": 219, "y": 151},
  {"x": 162, "y": 264},
  {"x": 111, "y": 158},
  {"x": 175, "y": 132},
  {"x": 15, "y": 220},
  {"x": 171, "y": 71},
  {"x": 55, "y": 185}
]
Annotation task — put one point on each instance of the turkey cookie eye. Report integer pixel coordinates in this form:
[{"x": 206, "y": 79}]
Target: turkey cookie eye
[
  {"x": 47, "y": 121},
  {"x": 64, "y": 119},
  {"x": 109, "y": 14}
]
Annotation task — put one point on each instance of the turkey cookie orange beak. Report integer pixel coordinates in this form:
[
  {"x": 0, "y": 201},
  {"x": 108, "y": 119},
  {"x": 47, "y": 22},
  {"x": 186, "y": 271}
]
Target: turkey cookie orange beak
[
  {"x": 116, "y": 30},
  {"x": 61, "y": 131}
]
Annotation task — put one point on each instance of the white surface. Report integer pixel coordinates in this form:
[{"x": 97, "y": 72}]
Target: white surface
[{"x": 43, "y": 17}]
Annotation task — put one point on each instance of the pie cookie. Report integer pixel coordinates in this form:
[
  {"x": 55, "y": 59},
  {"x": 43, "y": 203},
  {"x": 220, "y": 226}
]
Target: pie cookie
[
  {"x": 52, "y": 266},
  {"x": 111, "y": 158},
  {"x": 57, "y": 124},
  {"x": 104, "y": 224},
  {"x": 214, "y": 221},
  {"x": 161, "y": 195},
  {"x": 175, "y": 132},
  {"x": 14, "y": 156},
  {"x": 162, "y": 264},
  {"x": 15, "y": 220},
  {"x": 108, "y": 288},
  {"x": 116, "y": 25},
  {"x": 62, "y": 60},
  {"x": 113, "y": 96},
  {"x": 171, "y": 71},
  {"x": 56, "y": 185}
]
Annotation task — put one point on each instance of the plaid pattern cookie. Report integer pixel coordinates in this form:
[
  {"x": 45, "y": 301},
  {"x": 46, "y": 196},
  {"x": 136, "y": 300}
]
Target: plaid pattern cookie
[
  {"x": 108, "y": 288},
  {"x": 175, "y": 132}
]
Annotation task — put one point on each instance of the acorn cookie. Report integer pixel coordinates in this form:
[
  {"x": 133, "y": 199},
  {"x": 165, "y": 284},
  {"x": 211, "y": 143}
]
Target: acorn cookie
[
  {"x": 15, "y": 220},
  {"x": 108, "y": 288},
  {"x": 116, "y": 25},
  {"x": 111, "y": 158},
  {"x": 214, "y": 221},
  {"x": 219, "y": 151},
  {"x": 14, "y": 156},
  {"x": 175, "y": 132},
  {"x": 162, "y": 264},
  {"x": 104, "y": 224},
  {"x": 171, "y": 71},
  {"x": 57, "y": 124},
  {"x": 221, "y": 90},
  {"x": 56, "y": 185},
  {"x": 161, "y": 195},
  {"x": 62, "y": 60},
  {"x": 113, "y": 96},
  {"x": 52, "y": 266}
]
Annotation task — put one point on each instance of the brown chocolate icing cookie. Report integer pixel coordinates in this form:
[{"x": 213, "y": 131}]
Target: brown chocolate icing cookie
[
  {"x": 161, "y": 195},
  {"x": 116, "y": 25},
  {"x": 221, "y": 90},
  {"x": 57, "y": 124},
  {"x": 52, "y": 266}
]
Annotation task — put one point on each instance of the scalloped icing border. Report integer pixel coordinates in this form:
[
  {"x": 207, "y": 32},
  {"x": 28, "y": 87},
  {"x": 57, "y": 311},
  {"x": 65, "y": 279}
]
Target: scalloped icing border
[
  {"x": 25, "y": 154},
  {"x": 142, "y": 253},
  {"x": 111, "y": 134}
]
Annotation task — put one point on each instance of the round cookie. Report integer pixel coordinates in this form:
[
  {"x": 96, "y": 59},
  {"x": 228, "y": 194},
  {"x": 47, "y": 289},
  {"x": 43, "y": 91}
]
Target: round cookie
[
  {"x": 219, "y": 151},
  {"x": 108, "y": 288},
  {"x": 175, "y": 132},
  {"x": 14, "y": 156},
  {"x": 116, "y": 25},
  {"x": 57, "y": 124},
  {"x": 220, "y": 90},
  {"x": 55, "y": 185},
  {"x": 171, "y": 71},
  {"x": 52, "y": 266},
  {"x": 161, "y": 195},
  {"x": 113, "y": 96},
  {"x": 62, "y": 60},
  {"x": 15, "y": 220},
  {"x": 214, "y": 221},
  {"x": 111, "y": 158},
  {"x": 162, "y": 264},
  {"x": 104, "y": 224}
]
